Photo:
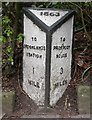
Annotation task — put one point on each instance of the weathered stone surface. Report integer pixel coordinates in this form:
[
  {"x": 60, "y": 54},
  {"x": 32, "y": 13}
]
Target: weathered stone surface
[
  {"x": 49, "y": 17},
  {"x": 82, "y": 116},
  {"x": 57, "y": 116},
  {"x": 8, "y": 100},
  {"x": 83, "y": 99},
  {"x": 47, "y": 37},
  {"x": 43, "y": 112},
  {"x": 61, "y": 60},
  {"x": 41, "y": 116},
  {"x": 34, "y": 61}
]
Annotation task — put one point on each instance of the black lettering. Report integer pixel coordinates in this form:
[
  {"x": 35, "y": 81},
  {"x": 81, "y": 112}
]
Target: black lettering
[
  {"x": 62, "y": 47},
  {"x": 27, "y": 54},
  {"x": 40, "y": 47},
  {"x": 33, "y": 70},
  {"x": 34, "y": 47},
  {"x": 55, "y": 47},
  {"x": 30, "y": 55},
  {"x": 61, "y": 70},
  {"x": 34, "y": 55},
  {"x": 34, "y": 83},
  {"x": 34, "y": 39},
  {"x": 38, "y": 85},
  {"x": 63, "y": 39},
  {"x": 25, "y": 46},
  {"x": 51, "y": 14},
  {"x": 40, "y": 56},
  {"x": 59, "y": 84},
  {"x": 64, "y": 82},
  {"x": 68, "y": 47},
  {"x": 46, "y": 13},
  {"x": 65, "y": 55},
  {"x": 59, "y": 47},
  {"x": 56, "y": 85},
  {"x": 37, "y": 55},
  {"x": 37, "y": 47},
  {"x": 41, "y": 13},
  {"x": 57, "y": 56},
  {"x": 61, "y": 55},
  {"x": 57, "y": 14}
]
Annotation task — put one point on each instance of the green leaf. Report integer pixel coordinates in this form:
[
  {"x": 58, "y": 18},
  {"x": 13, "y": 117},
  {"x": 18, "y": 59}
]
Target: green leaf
[
  {"x": 2, "y": 39},
  {"x": 10, "y": 59},
  {"x": 20, "y": 37},
  {"x": 9, "y": 49},
  {"x": 3, "y": 61},
  {"x": 6, "y": 20},
  {"x": 8, "y": 31}
]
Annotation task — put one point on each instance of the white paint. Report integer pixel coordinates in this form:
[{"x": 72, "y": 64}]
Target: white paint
[
  {"x": 38, "y": 74},
  {"x": 66, "y": 30},
  {"x": 34, "y": 68},
  {"x": 49, "y": 20}
]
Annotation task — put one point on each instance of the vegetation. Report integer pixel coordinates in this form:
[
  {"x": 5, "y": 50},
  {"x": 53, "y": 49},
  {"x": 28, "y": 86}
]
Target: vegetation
[{"x": 12, "y": 40}]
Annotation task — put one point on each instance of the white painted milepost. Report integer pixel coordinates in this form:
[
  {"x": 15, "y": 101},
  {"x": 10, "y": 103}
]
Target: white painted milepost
[
  {"x": 47, "y": 54},
  {"x": 61, "y": 57},
  {"x": 34, "y": 61},
  {"x": 49, "y": 17}
]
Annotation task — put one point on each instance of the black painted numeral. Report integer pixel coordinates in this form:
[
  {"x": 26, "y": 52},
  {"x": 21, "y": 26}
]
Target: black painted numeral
[
  {"x": 46, "y": 13},
  {"x": 61, "y": 70},
  {"x": 50, "y": 14},
  {"x": 33, "y": 70},
  {"x": 57, "y": 14}
]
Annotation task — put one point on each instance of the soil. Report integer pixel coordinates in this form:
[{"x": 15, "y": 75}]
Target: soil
[{"x": 67, "y": 105}]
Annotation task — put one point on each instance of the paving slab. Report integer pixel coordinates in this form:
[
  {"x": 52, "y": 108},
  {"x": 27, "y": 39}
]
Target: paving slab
[
  {"x": 56, "y": 116},
  {"x": 82, "y": 116},
  {"x": 8, "y": 100},
  {"x": 83, "y": 99}
]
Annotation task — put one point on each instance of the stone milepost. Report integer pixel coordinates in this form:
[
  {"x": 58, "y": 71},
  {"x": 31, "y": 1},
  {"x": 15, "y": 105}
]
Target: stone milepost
[{"x": 47, "y": 54}]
